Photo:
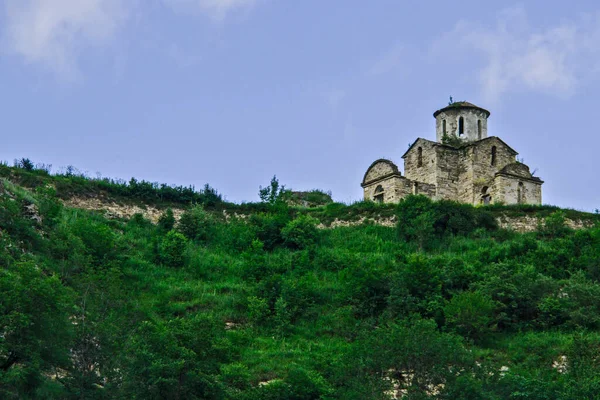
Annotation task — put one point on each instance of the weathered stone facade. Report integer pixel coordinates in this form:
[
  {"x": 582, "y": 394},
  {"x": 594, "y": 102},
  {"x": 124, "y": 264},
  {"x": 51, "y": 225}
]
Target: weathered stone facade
[{"x": 464, "y": 164}]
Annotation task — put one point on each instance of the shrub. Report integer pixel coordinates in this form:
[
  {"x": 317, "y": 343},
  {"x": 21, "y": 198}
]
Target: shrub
[
  {"x": 471, "y": 314},
  {"x": 269, "y": 226},
  {"x": 166, "y": 221},
  {"x": 301, "y": 232},
  {"x": 420, "y": 219},
  {"x": 273, "y": 193},
  {"x": 196, "y": 224},
  {"x": 172, "y": 249},
  {"x": 258, "y": 310},
  {"x": 366, "y": 289},
  {"x": 554, "y": 225}
]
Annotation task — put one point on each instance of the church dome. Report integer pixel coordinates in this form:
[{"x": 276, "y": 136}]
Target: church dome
[{"x": 461, "y": 105}]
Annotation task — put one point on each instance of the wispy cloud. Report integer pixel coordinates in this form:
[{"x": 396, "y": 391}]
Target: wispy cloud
[
  {"x": 388, "y": 61},
  {"x": 516, "y": 56},
  {"x": 216, "y": 9},
  {"x": 53, "y": 33}
]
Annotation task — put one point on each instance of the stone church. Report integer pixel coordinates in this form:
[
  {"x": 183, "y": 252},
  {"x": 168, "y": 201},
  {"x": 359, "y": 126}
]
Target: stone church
[{"x": 464, "y": 164}]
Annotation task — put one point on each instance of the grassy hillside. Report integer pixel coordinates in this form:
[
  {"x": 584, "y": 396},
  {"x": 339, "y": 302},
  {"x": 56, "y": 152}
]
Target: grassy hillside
[{"x": 445, "y": 305}]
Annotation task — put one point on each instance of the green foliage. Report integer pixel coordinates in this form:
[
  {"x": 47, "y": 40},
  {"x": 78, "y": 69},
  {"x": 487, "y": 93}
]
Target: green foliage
[
  {"x": 274, "y": 193},
  {"x": 269, "y": 307},
  {"x": 471, "y": 314},
  {"x": 422, "y": 220},
  {"x": 554, "y": 225},
  {"x": 196, "y": 224},
  {"x": 269, "y": 226},
  {"x": 166, "y": 221},
  {"x": 177, "y": 359},
  {"x": 36, "y": 331},
  {"x": 411, "y": 355},
  {"x": 172, "y": 249},
  {"x": 301, "y": 232},
  {"x": 451, "y": 140}
]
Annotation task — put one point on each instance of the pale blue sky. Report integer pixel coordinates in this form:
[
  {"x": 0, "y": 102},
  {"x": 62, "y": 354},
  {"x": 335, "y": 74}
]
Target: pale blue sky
[{"x": 230, "y": 92}]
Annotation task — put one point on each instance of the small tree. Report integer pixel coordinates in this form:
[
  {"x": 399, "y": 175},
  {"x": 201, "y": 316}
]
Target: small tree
[
  {"x": 25, "y": 163},
  {"x": 172, "y": 249},
  {"x": 196, "y": 223},
  {"x": 273, "y": 193},
  {"x": 166, "y": 221}
]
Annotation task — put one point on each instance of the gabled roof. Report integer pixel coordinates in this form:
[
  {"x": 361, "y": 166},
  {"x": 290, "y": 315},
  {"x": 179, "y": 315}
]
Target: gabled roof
[
  {"x": 493, "y": 137},
  {"x": 466, "y": 144},
  {"x": 461, "y": 104},
  {"x": 415, "y": 142},
  {"x": 394, "y": 168}
]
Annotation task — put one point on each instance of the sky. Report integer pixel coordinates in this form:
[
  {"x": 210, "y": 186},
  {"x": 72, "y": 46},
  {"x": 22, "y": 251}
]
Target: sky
[{"x": 232, "y": 92}]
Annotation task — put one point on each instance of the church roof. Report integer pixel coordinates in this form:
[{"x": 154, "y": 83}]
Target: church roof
[
  {"x": 461, "y": 104},
  {"x": 394, "y": 171},
  {"x": 465, "y": 144}
]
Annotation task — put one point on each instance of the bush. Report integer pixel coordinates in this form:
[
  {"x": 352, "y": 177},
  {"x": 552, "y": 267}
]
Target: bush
[
  {"x": 301, "y": 232},
  {"x": 420, "y": 219},
  {"x": 166, "y": 221},
  {"x": 269, "y": 226},
  {"x": 554, "y": 225},
  {"x": 172, "y": 249},
  {"x": 196, "y": 224},
  {"x": 471, "y": 314}
]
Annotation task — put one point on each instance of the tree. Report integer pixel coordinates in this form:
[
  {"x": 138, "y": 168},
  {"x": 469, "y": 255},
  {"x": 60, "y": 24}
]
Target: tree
[
  {"x": 410, "y": 356},
  {"x": 273, "y": 193},
  {"x": 176, "y": 359},
  {"x": 35, "y": 328},
  {"x": 166, "y": 221}
]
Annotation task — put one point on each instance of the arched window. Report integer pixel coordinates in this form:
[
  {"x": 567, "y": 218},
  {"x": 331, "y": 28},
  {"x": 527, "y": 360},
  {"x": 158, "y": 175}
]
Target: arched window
[
  {"x": 521, "y": 193},
  {"x": 493, "y": 161},
  {"x": 419, "y": 157},
  {"x": 461, "y": 126},
  {"x": 479, "y": 129},
  {"x": 444, "y": 126},
  {"x": 415, "y": 188},
  {"x": 486, "y": 198},
  {"x": 378, "y": 194}
]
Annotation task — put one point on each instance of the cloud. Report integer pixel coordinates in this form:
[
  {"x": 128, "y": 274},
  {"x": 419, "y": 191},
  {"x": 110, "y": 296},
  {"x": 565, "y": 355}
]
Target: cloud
[
  {"x": 216, "y": 9},
  {"x": 388, "y": 62},
  {"x": 53, "y": 33},
  {"x": 50, "y": 32},
  {"x": 516, "y": 56}
]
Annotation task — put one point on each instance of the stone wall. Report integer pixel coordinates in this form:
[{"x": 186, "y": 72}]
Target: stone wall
[
  {"x": 394, "y": 188},
  {"x": 425, "y": 189},
  {"x": 482, "y": 171},
  {"x": 426, "y": 172},
  {"x": 510, "y": 189},
  {"x": 447, "y": 172},
  {"x": 470, "y": 117}
]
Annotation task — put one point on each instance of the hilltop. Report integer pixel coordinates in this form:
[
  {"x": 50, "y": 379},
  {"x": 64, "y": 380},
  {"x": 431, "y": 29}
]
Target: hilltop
[{"x": 177, "y": 294}]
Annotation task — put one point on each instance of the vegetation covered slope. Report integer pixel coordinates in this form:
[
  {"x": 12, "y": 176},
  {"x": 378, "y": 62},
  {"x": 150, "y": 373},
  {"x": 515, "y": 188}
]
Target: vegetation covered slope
[{"x": 445, "y": 305}]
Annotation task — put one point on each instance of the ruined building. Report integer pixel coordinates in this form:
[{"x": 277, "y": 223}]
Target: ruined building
[{"x": 464, "y": 164}]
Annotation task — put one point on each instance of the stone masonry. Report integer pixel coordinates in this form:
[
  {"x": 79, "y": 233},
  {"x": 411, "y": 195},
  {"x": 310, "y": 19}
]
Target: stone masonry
[{"x": 463, "y": 164}]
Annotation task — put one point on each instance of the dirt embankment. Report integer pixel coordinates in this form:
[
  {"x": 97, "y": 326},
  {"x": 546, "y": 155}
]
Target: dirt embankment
[{"x": 112, "y": 209}]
